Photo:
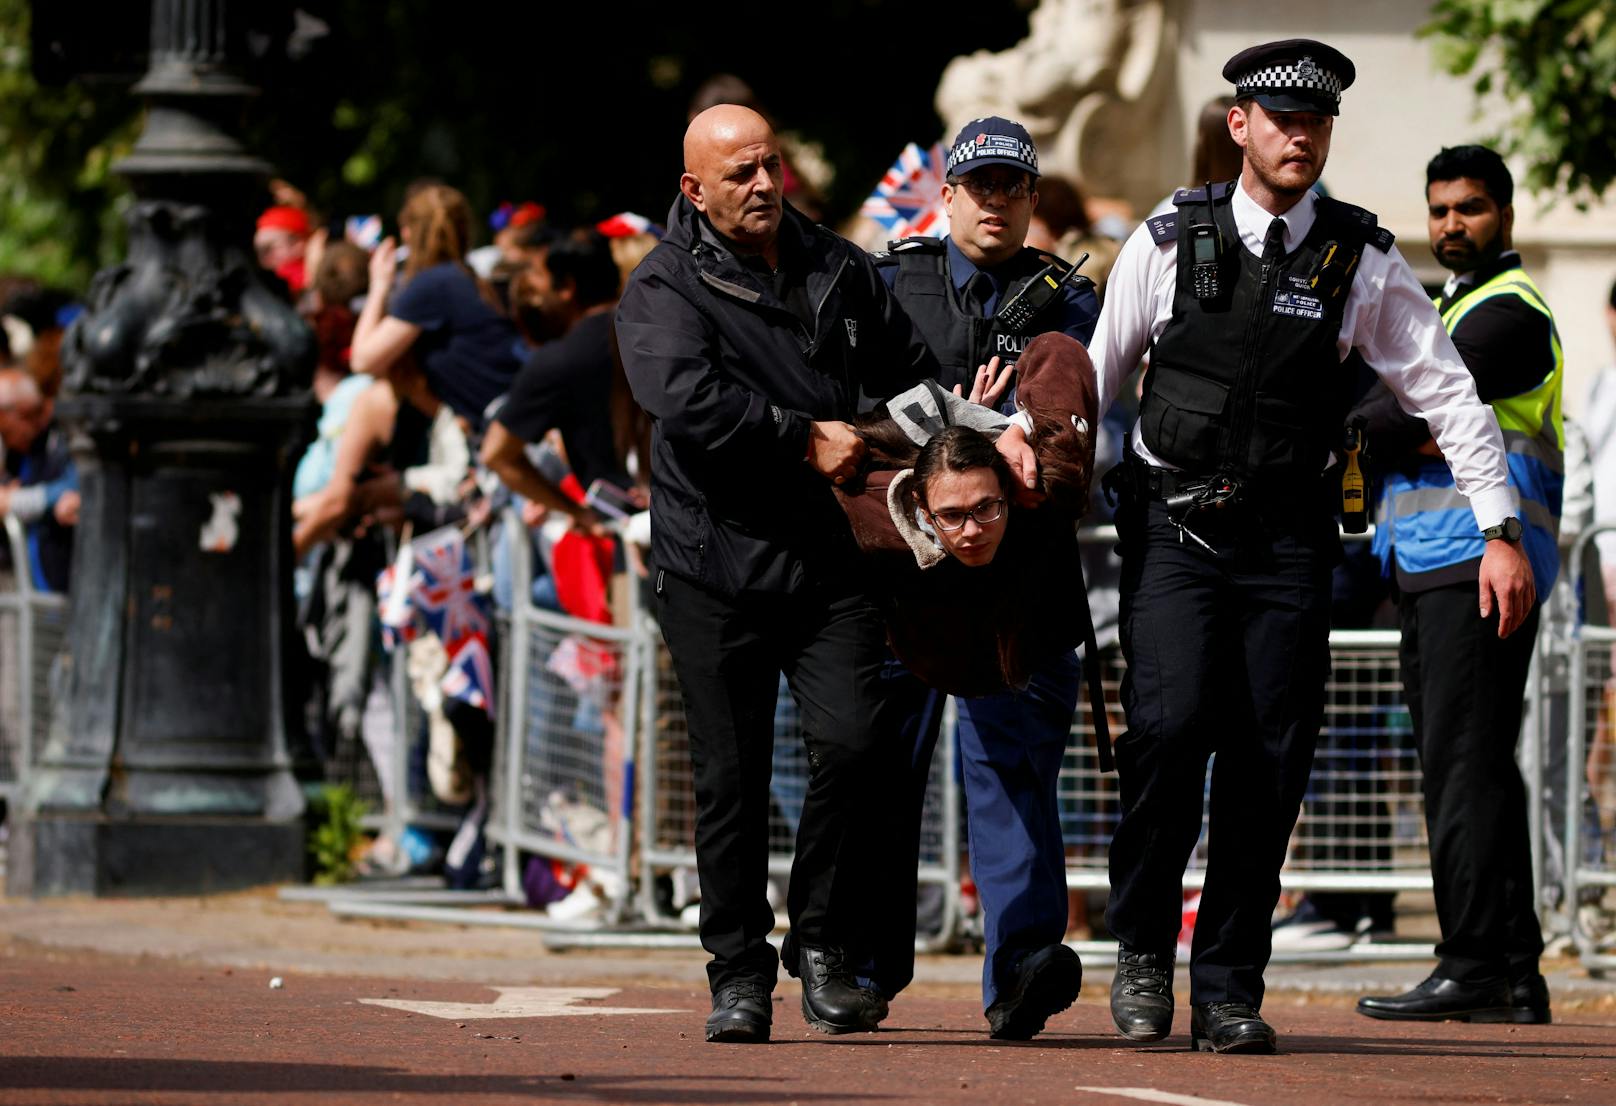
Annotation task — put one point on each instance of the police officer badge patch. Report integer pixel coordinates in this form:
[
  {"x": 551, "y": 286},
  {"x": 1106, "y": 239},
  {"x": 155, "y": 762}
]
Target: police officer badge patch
[{"x": 1298, "y": 305}]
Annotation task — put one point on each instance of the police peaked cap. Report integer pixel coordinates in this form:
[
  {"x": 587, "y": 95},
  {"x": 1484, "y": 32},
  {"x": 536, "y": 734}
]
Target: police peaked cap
[{"x": 1296, "y": 74}]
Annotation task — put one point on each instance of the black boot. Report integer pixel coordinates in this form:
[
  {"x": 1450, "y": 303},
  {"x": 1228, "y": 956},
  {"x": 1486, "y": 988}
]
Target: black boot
[
  {"x": 1142, "y": 994},
  {"x": 832, "y": 1000},
  {"x": 742, "y": 1012},
  {"x": 1047, "y": 982},
  {"x": 1229, "y": 1027},
  {"x": 1529, "y": 1001}
]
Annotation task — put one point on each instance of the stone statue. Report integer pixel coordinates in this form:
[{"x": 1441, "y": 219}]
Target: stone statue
[{"x": 1089, "y": 83}]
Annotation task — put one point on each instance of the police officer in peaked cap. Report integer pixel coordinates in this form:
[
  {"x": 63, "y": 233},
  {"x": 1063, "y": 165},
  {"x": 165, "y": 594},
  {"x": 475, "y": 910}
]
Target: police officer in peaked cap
[
  {"x": 977, "y": 296},
  {"x": 1248, "y": 299}
]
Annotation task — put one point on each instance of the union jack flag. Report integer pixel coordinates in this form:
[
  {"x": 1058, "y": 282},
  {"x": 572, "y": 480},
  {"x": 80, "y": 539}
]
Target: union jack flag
[
  {"x": 909, "y": 200},
  {"x": 431, "y": 587}
]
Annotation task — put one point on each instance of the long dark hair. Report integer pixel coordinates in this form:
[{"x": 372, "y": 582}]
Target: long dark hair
[{"x": 959, "y": 449}]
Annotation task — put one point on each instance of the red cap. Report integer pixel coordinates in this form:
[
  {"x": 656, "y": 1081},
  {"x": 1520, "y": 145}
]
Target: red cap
[{"x": 287, "y": 218}]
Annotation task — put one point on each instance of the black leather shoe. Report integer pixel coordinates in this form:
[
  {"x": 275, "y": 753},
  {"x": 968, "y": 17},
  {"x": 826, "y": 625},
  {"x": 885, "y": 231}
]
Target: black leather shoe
[
  {"x": 1529, "y": 1001},
  {"x": 1440, "y": 999},
  {"x": 1229, "y": 1027},
  {"x": 832, "y": 1000},
  {"x": 742, "y": 1012},
  {"x": 1142, "y": 994},
  {"x": 1047, "y": 982}
]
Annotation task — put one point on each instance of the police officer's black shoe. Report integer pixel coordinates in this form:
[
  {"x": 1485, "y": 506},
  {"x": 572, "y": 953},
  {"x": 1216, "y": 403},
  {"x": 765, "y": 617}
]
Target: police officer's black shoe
[
  {"x": 742, "y": 1012},
  {"x": 1047, "y": 982},
  {"x": 1441, "y": 999},
  {"x": 1229, "y": 1027},
  {"x": 832, "y": 1000},
  {"x": 1529, "y": 1001},
  {"x": 1142, "y": 994}
]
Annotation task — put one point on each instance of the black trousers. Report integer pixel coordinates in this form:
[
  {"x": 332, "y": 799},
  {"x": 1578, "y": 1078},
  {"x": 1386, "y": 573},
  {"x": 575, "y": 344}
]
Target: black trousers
[
  {"x": 1465, "y": 691},
  {"x": 1227, "y": 653},
  {"x": 728, "y": 656}
]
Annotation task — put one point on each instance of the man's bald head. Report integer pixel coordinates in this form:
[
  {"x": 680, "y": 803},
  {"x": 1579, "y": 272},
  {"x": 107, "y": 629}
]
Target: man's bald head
[{"x": 732, "y": 175}]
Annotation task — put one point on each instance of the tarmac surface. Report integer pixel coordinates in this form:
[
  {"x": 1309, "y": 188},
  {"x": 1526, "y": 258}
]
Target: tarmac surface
[{"x": 171, "y": 1001}]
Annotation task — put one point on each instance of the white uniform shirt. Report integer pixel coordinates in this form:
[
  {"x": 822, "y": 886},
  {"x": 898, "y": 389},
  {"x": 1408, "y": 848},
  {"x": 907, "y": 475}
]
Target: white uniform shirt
[{"x": 1387, "y": 317}]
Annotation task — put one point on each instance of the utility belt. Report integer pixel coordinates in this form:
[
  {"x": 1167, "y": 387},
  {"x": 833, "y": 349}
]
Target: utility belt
[{"x": 1190, "y": 496}]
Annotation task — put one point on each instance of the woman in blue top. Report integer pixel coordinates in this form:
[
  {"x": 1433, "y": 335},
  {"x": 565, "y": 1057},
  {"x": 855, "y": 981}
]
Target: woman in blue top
[{"x": 442, "y": 313}]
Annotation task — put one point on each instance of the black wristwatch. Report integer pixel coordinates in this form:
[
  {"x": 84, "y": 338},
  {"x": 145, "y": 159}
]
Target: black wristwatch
[{"x": 1509, "y": 530}]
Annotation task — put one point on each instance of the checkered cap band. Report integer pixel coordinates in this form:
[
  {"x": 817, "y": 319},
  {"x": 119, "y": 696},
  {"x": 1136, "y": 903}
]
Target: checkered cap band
[
  {"x": 988, "y": 145},
  {"x": 1304, "y": 73}
]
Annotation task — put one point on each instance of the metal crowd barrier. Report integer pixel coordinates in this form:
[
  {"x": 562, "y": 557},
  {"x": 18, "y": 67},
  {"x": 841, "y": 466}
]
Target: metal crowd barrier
[
  {"x": 1362, "y": 826},
  {"x": 567, "y": 740},
  {"x": 33, "y": 638},
  {"x": 591, "y": 762},
  {"x": 1589, "y": 796}
]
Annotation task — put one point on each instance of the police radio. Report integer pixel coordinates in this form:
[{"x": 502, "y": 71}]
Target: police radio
[
  {"x": 1206, "y": 255},
  {"x": 1354, "y": 508},
  {"x": 1038, "y": 293}
]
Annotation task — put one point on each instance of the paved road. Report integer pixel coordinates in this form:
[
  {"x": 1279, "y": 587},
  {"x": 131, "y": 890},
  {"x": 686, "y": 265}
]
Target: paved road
[
  {"x": 89, "y": 1029},
  {"x": 168, "y": 1001}
]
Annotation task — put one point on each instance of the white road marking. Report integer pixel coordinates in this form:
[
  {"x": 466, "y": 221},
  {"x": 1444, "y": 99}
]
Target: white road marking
[
  {"x": 520, "y": 1002},
  {"x": 1150, "y": 1094}
]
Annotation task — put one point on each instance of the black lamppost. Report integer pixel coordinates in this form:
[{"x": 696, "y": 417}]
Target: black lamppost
[{"x": 186, "y": 386}]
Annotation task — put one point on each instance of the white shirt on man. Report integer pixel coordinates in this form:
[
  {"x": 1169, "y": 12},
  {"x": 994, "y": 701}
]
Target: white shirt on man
[{"x": 1387, "y": 317}]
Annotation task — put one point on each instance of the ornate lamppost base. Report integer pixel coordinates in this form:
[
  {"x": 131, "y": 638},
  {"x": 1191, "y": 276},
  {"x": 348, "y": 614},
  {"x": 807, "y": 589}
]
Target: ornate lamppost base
[{"x": 72, "y": 854}]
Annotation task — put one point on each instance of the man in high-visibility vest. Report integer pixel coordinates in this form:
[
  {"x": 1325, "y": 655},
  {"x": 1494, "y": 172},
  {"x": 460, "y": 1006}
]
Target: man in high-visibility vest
[{"x": 1464, "y": 681}]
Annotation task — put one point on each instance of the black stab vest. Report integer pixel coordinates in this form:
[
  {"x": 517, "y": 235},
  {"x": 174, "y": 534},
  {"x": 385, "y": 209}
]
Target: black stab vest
[
  {"x": 960, "y": 341},
  {"x": 1250, "y": 384}
]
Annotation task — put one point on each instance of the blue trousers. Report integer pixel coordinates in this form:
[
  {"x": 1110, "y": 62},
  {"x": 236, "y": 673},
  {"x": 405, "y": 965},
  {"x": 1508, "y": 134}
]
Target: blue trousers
[{"x": 1011, "y": 747}]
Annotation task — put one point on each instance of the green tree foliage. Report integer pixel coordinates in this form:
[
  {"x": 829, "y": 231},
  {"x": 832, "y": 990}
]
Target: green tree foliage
[
  {"x": 1554, "y": 62},
  {"x": 60, "y": 204}
]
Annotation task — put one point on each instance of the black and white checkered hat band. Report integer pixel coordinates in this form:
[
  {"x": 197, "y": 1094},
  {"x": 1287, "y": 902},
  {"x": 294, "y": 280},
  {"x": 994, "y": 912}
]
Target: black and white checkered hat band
[
  {"x": 1003, "y": 147},
  {"x": 1304, "y": 74}
]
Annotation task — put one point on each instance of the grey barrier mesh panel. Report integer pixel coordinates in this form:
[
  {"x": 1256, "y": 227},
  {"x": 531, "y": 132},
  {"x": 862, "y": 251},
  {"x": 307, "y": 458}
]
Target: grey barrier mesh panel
[
  {"x": 1089, "y": 805},
  {"x": 1598, "y": 847},
  {"x": 11, "y": 690},
  {"x": 674, "y": 808},
  {"x": 48, "y": 671},
  {"x": 499, "y": 770},
  {"x": 675, "y": 805},
  {"x": 573, "y": 745},
  {"x": 1362, "y": 812},
  {"x": 423, "y": 805},
  {"x": 348, "y": 762}
]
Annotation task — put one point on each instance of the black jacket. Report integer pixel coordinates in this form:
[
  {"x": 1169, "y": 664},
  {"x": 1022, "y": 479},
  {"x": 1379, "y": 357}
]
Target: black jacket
[{"x": 731, "y": 378}]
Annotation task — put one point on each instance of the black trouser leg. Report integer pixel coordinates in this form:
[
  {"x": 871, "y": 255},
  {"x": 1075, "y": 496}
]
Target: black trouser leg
[
  {"x": 1169, "y": 623},
  {"x": 853, "y": 760},
  {"x": 1264, "y": 756},
  {"x": 1465, "y": 691},
  {"x": 1225, "y": 653},
  {"x": 728, "y": 671}
]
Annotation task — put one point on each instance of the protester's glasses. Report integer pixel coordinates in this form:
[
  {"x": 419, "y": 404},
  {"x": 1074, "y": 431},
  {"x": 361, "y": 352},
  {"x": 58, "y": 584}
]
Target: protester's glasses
[
  {"x": 983, "y": 188},
  {"x": 983, "y": 513}
]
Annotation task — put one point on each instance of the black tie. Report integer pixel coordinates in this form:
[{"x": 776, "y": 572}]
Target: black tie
[
  {"x": 1273, "y": 247},
  {"x": 979, "y": 292}
]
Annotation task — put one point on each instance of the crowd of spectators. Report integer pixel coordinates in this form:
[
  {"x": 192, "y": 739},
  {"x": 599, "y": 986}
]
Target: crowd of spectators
[{"x": 467, "y": 363}]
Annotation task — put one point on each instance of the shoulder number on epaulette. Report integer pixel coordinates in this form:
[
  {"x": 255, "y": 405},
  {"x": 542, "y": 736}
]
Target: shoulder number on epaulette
[
  {"x": 1382, "y": 239},
  {"x": 1163, "y": 228}
]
